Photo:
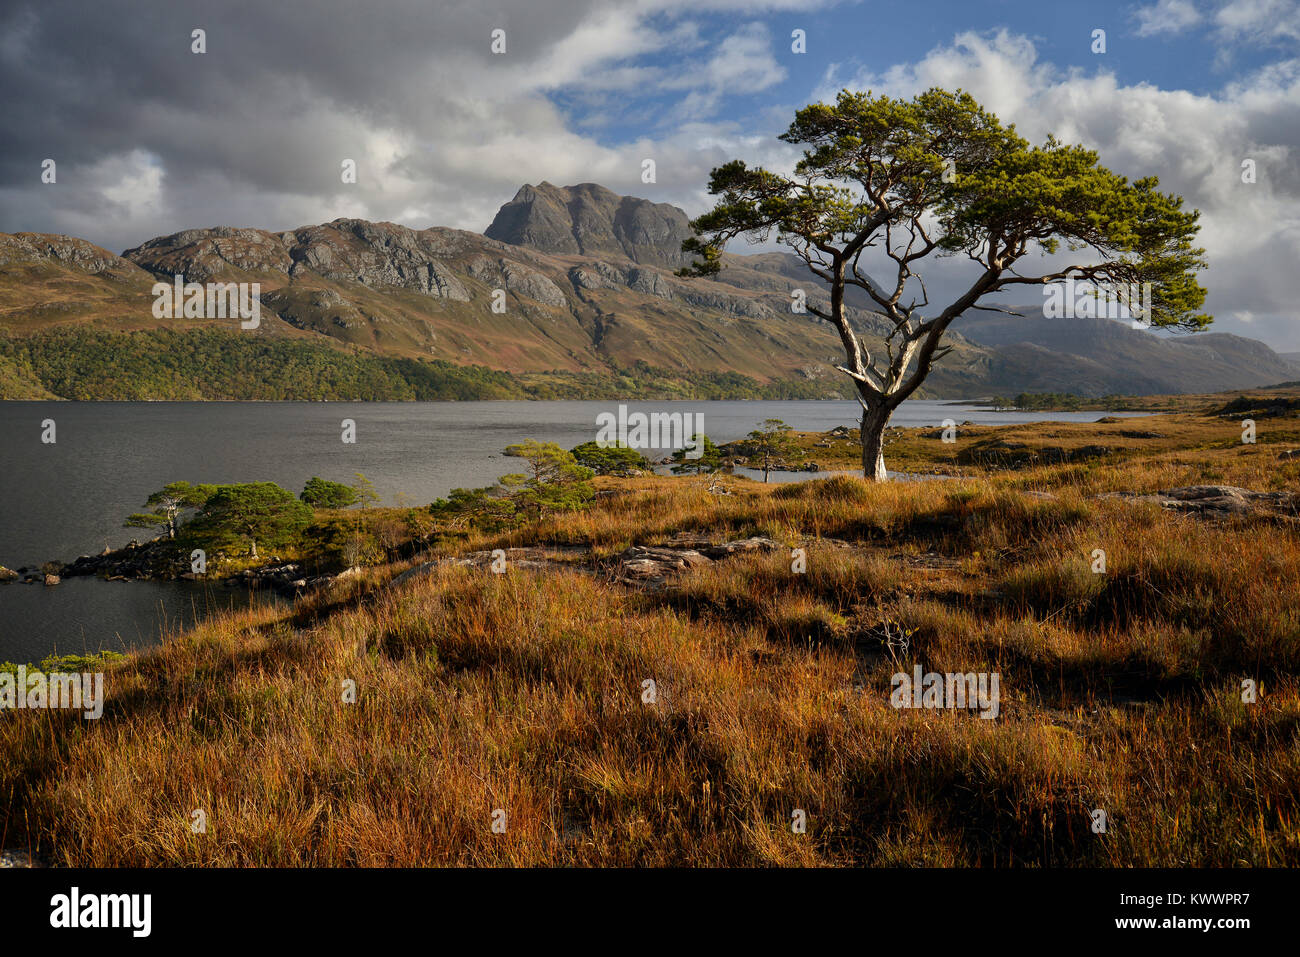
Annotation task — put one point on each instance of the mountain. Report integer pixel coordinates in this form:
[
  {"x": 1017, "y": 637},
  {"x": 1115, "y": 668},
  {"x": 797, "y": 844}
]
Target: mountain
[
  {"x": 591, "y": 220},
  {"x": 597, "y": 299},
  {"x": 399, "y": 291},
  {"x": 586, "y": 279},
  {"x": 1099, "y": 356}
]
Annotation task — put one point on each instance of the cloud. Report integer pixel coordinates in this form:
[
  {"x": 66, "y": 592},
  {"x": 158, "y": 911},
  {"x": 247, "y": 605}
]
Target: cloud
[
  {"x": 253, "y": 132},
  {"x": 742, "y": 63},
  {"x": 1233, "y": 21},
  {"x": 1167, "y": 16},
  {"x": 1195, "y": 143},
  {"x": 1258, "y": 21}
]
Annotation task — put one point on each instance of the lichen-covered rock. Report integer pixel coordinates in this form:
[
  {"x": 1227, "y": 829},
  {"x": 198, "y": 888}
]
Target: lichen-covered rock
[
  {"x": 1213, "y": 501},
  {"x": 514, "y": 277},
  {"x": 377, "y": 255}
]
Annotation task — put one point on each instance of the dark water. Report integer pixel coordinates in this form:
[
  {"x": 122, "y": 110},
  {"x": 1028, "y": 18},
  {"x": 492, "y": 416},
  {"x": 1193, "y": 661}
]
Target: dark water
[{"x": 69, "y": 499}]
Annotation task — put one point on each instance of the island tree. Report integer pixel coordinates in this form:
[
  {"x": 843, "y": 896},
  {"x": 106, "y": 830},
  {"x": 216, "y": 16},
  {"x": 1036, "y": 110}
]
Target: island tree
[
  {"x": 617, "y": 459},
  {"x": 253, "y": 512},
  {"x": 322, "y": 493},
  {"x": 554, "y": 482},
  {"x": 167, "y": 505},
  {"x": 774, "y": 444},
  {"x": 938, "y": 175},
  {"x": 363, "y": 491},
  {"x": 709, "y": 460}
]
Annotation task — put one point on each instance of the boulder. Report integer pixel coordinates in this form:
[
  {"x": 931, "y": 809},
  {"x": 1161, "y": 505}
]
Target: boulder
[{"x": 651, "y": 565}]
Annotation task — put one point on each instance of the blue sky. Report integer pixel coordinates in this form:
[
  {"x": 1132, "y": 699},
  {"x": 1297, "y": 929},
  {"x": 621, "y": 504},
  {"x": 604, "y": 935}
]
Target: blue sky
[
  {"x": 151, "y": 138},
  {"x": 851, "y": 36}
]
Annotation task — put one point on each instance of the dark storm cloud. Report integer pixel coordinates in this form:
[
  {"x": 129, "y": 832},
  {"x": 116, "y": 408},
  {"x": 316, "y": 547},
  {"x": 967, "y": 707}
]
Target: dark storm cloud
[{"x": 284, "y": 92}]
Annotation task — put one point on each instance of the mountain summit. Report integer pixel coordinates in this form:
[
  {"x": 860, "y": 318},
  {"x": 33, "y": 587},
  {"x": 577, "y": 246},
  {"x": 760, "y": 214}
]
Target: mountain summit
[{"x": 591, "y": 220}]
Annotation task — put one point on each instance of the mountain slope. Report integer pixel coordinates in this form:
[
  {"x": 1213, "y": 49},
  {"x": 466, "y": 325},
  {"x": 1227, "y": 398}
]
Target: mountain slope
[
  {"x": 573, "y": 282},
  {"x": 430, "y": 294},
  {"x": 48, "y": 279},
  {"x": 399, "y": 291},
  {"x": 1098, "y": 356}
]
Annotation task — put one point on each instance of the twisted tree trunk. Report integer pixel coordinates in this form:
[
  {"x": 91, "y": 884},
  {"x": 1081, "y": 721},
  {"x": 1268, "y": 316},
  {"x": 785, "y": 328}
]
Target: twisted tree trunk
[{"x": 875, "y": 417}]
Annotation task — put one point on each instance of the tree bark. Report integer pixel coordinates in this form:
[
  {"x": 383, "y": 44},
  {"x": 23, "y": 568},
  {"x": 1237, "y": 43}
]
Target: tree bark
[{"x": 875, "y": 417}]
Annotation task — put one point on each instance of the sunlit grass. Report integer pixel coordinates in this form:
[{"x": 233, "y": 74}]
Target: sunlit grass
[{"x": 528, "y": 692}]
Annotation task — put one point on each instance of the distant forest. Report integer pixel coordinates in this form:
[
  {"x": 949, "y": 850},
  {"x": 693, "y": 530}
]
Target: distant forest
[{"x": 90, "y": 364}]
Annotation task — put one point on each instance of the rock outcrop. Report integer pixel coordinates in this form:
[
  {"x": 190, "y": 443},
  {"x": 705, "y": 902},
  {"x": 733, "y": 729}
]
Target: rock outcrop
[
  {"x": 503, "y": 273},
  {"x": 201, "y": 255},
  {"x": 647, "y": 566},
  {"x": 34, "y": 249},
  {"x": 379, "y": 255},
  {"x": 1220, "y": 501},
  {"x": 375, "y": 254}
]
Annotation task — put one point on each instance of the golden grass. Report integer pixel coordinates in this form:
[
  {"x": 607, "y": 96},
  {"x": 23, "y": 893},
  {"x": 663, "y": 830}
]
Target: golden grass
[{"x": 524, "y": 692}]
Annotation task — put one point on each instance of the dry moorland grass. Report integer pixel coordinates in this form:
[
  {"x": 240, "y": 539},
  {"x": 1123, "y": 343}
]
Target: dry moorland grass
[{"x": 523, "y": 692}]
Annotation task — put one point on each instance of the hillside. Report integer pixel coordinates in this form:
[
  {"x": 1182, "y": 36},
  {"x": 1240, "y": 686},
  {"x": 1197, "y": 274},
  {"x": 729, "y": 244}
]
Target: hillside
[
  {"x": 1097, "y": 356},
  {"x": 390, "y": 291},
  {"x": 591, "y": 307}
]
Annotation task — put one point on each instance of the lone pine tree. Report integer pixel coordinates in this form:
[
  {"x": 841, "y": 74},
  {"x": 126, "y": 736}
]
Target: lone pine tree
[{"x": 938, "y": 175}]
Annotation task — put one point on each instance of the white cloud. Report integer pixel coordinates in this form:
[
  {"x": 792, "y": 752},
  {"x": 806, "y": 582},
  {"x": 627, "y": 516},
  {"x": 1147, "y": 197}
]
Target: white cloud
[
  {"x": 742, "y": 63},
  {"x": 1259, "y": 20},
  {"x": 1167, "y": 16}
]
